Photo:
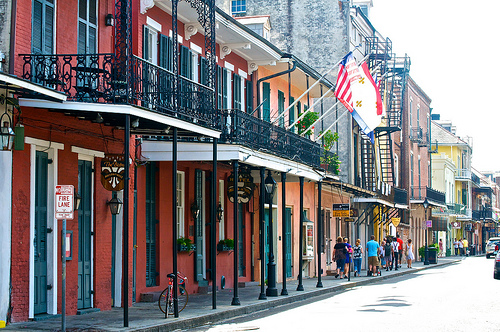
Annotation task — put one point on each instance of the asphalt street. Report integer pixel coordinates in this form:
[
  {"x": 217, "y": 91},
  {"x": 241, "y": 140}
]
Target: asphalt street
[{"x": 458, "y": 297}]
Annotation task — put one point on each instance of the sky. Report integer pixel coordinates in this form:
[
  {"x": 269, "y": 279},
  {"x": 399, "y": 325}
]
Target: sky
[{"x": 453, "y": 47}]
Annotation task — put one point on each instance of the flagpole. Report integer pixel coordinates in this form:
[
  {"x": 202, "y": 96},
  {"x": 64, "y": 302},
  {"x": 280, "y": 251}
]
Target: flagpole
[
  {"x": 310, "y": 88},
  {"x": 310, "y": 109},
  {"x": 319, "y": 119}
]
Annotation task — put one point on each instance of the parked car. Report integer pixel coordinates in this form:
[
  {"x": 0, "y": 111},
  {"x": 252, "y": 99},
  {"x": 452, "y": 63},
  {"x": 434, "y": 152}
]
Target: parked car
[
  {"x": 496, "y": 271},
  {"x": 492, "y": 246}
]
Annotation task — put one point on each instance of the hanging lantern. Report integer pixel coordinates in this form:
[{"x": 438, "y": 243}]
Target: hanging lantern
[{"x": 6, "y": 133}]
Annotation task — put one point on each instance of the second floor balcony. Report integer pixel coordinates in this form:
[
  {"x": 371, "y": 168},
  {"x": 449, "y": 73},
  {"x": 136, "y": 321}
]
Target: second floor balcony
[
  {"x": 463, "y": 174},
  {"x": 96, "y": 78},
  {"x": 484, "y": 214},
  {"x": 421, "y": 193},
  {"x": 460, "y": 210}
]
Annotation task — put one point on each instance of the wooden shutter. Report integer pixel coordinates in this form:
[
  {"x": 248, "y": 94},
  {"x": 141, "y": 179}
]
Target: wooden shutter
[
  {"x": 145, "y": 44},
  {"x": 237, "y": 91},
  {"x": 151, "y": 223},
  {"x": 266, "y": 107},
  {"x": 166, "y": 52},
  {"x": 281, "y": 107},
  {"x": 249, "y": 93}
]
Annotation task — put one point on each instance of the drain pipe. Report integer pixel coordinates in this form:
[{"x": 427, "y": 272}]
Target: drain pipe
[{"x": 286, "y": 56}]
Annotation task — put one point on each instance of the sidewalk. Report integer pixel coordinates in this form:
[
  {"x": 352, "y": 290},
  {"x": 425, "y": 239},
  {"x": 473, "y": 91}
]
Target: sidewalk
[{"x": 147, "y": 316}]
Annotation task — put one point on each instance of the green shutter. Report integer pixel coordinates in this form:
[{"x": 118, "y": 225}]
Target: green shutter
[
  {"x": 151, "y": 222},
  {"x": 166, "y": 52},
  {"x": 198, "y": 224},
  {"x": 249, "y": 93},
  {"x": 145, "y": 44},
  {"x": 225, "y": 84},
  {"x": 218, "y": 80},
  {"x": 281, "y": 108},
  {"x": 203, "y": 71},
  {"x": 291, "y": 114},
  {"x": 42, "y": 38},
  {"x": 237, "y": 91},
  {"x": 266, "y": 97}
]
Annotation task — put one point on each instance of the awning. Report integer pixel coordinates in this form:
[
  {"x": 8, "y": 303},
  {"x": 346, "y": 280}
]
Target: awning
[
  {"x": 27, "y": 89},
  {"x": 439, "y": 224}
]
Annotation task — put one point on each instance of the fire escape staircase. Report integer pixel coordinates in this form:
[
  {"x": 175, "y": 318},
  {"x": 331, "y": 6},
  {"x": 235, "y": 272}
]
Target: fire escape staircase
[{"x": 368, "y": 164}]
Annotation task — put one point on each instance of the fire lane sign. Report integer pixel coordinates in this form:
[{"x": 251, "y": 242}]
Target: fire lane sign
[{"x": 64, "y": 201}]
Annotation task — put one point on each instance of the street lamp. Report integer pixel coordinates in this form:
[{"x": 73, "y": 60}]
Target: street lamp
[
  {"x": 426, "y": 259},
  {"x": 115, "y": 205},
  {"x": 6, "y": 132},
  {"x": 271, "y": 290}
]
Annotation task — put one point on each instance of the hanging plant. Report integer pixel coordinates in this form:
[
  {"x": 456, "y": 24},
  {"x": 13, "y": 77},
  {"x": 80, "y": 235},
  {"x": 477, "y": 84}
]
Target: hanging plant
[
  {"x": 306, "y": 122},
  {"x": 330, "y": 159}
]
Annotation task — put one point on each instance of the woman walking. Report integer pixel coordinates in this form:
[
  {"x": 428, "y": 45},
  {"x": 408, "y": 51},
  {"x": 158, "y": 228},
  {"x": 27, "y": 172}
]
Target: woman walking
[
  {"x": 348, "y": 258},
  {"x": 388, "y": 249},
  {"x": 339, "y": 257},
  {"x": 357, "y": 257},
  {"x": 409, "y": 253}
]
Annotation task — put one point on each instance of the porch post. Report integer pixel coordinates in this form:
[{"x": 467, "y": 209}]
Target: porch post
[
  {"x": 319, "y": 232},
  {"x": 174, "y": 222},
  {"x": 236, "y": 300},
  {"x": 300, "y": 286},
  {"x": 125, "y": 221},
  {"x": 284, "y": 291},
  {"x": 213, "y": 240},
  {"x": 262, "y": 295}
]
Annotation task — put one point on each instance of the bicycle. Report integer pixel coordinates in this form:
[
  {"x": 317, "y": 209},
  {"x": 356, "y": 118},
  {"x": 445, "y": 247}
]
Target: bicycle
[{"x": 166, "y": 300}]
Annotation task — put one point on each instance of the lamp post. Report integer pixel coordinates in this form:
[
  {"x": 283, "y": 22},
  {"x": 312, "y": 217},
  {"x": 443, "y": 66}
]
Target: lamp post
[
  {"x": 271, "y": 290},
  {"x": 426, "y": 259}
]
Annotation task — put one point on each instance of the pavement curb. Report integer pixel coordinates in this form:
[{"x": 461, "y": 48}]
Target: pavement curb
[{"x": 233, "y": 312}]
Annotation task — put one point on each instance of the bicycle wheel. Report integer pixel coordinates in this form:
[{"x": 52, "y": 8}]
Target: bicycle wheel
[{"x": 166, "y": 300}]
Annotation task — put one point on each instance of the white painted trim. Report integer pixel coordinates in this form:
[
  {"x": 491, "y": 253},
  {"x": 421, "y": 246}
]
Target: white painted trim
[
  {"x": 88, "y": 152},
  {"x": 153, "y": 24},
  {"x": 31, "y": 86},
  {"x": 243, "y": 73},
  {"x": 5, "y": 229},
  {"x": 43, "y": 143},
  {"x": 121, "y": 109},
  {"x": 228, "y": 66},
  {"x": 180, "y": 39},
  {"x": 195, "y": 48}
]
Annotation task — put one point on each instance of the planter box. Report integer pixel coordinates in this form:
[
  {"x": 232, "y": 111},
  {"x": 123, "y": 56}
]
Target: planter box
[
  {"x": 223, "y": 247},
  {"x": 185, "y": 248}
]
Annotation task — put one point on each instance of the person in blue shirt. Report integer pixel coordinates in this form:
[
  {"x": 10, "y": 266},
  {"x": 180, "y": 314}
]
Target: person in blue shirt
[{"x": 372, "y": 252}]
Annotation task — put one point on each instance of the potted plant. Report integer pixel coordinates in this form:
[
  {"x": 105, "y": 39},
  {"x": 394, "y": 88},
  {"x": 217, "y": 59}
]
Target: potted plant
[
  {"x": 329, "y": 160},
  {"x": 306, "y": 122},
  {"x": 185, "y": 244},
  {"x": 225, "y": 245}
]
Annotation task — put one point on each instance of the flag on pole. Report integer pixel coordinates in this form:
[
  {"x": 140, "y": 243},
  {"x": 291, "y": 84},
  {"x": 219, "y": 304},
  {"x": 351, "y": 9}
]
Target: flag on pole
[
  {"x": 358, "y": 92},
  {"x": 348, "y": 74}
]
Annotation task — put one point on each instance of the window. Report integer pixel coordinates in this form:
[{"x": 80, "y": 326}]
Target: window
[
  {"x": 43, "y": 27},
  {"x": 180, "y": 204},
  {"x": 411, "y": 112},
  {"x": 221, "y": 202},
  {"x": 411, "y": 173},
  {"x": 150, "y": 45},
  {"x": 249, "y": 94},
  {"x": 87, "y": 26},
  {"x": 238, "y": 7},
  {"x": 237, "y": 91},
  {"x": 226, "y": 88}
]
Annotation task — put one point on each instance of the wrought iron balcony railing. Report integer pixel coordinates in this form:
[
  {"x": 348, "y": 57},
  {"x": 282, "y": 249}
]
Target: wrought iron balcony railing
[
  {"x": 484, "y": 214},
  {"x": 416, "y": 134},
  {"x": 400, "y": 196},
  {"x": 420, "y": 193},
  {"x": 94, "y": 78},
  {"x": 463, "y": 174},
  {"x": 245, "y": 129}
]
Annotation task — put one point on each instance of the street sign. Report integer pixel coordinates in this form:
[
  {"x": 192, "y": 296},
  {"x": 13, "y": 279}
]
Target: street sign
[
  {"x": 64, "y": 201},
  {"x": 429, "y": 223},
  {"x": 349, "y": 219}
]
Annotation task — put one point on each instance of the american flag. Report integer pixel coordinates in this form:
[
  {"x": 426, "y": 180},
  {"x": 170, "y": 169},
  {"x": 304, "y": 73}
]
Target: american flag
[{"x": 348, "y": 73}]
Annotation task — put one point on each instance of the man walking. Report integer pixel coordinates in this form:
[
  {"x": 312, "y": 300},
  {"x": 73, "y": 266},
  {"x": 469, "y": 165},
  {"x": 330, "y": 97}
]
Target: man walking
[
  {"x": 455, "y": 245},
  {"x": 395, "y": 250},
  {"x": 466, "y": 247},
  {"x": 400, "y": 248},
  {"x": 372, "y": 250}
]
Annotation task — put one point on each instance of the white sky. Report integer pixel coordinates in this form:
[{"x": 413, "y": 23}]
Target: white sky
[{"x": 454, "y": 47}]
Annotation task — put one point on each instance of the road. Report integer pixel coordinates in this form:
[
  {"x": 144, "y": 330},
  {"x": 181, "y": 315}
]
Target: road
[{"x": 458, "y": 297}]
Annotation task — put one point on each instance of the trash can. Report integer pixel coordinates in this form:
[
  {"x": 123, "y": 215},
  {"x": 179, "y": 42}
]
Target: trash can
[{"x": 433, "y": 251}]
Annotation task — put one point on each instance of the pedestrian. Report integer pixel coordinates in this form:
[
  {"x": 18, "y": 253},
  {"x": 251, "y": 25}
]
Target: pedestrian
[
  {"x": 409, "y": 254},
  {"x": 395, "y": 254},
  {"x": 357, "y": 257},
  {"x": 348, "y": 260},
  {"x": 381, "y": 253},
  {"x": 455, "y": 245},
  {"x": 372, "y": 250},
  {"x": 461, "y": 247},
  {"x": 400, "y": 248},
  {"x": 388, "y": 251},
  {"x": 466, "y": 246},
  {"x": 339, "y": 257},
  {"x": 441, "y": 254}
]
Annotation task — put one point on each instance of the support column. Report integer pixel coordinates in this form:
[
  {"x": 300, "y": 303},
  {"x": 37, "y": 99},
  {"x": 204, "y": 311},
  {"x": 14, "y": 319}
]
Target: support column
[
  {"x": 174, "y": 223},
  {"x": 125, "y": 221},
  {"x": 300, "y": 286},
  {"x": 284, "y": 291},
  {"x": 271, "y": 265},
  {"x": 236, "y": 300},
  {"x": 319, "y": 232},
  {"x": 262, "y": 295}
]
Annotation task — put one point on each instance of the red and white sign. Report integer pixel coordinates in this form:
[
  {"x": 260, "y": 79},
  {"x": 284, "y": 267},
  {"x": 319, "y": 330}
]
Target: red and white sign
[{"x": 64, "y": 201}]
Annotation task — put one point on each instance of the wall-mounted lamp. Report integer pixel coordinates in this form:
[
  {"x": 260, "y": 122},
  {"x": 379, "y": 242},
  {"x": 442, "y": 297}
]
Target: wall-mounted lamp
[
  {"x": 78, "y": 200},
  {"x": 195, "y": 210},
  {"x": 270, "y": 185},
  {"x": 115, "y": 205},
  {"x": 109, "y": 20},
  {"x": 6, "y": 133},
  {"x": 220, "y": 212}
]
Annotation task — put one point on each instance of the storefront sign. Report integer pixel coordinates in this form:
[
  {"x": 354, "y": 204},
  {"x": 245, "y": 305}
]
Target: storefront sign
[
  {"x": 64, "y": 201},
  {"x": 456, "y": 225},
  {"x": 340, "y": 210},
  {"x": 245, "y": 187},
  {"x": 112, "y": 172},
  {"x": 395, "y": 221},
  {"x": 429, "y": 223}
]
